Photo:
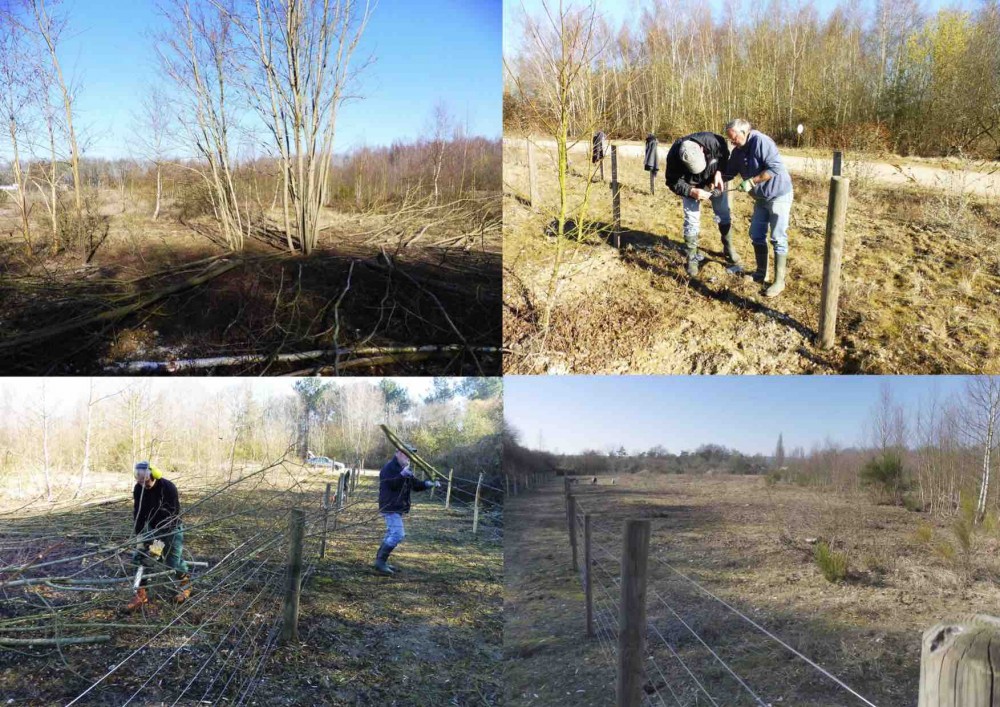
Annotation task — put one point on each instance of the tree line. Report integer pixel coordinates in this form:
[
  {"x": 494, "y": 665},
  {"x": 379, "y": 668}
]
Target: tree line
[
  {"x": 61, "y": 448},
  {"x": 887, "y": 76}
]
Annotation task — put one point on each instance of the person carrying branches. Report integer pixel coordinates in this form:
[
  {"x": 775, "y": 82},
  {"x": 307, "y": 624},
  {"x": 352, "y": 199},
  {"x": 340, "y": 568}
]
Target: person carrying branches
[
  {"x": 156, "y": 510},
  {"x": 395, "y": 482},
  {"x": 695, "y": 164}
]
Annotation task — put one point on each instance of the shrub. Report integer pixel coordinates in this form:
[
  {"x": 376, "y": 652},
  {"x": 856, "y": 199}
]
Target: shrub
[
  {"x": 924, "y": 533},
  {"x": 832, "y": 564},
  {"x": 885, "y": 474}
]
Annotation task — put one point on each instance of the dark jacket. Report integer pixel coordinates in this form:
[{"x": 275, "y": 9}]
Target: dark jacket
[
  {"x": 394, "y": 488},
  {"x": 679, "y": 180},
  {"x": 159, "y": 508}
]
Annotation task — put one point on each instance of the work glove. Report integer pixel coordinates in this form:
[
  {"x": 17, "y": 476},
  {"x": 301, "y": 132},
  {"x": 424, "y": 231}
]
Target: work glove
[
  {"x": 432, "y": 484},
  {"x": 407, "y": 472},
  {"x": 746, "y": 185}
]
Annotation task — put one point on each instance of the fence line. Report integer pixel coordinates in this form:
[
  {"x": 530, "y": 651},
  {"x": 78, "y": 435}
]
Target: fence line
[{"x": 594, "y": 551}]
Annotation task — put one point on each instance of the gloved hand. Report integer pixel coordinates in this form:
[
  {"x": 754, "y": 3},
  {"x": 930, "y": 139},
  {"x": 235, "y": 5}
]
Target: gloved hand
[
  {"x": 433, "y": 484},
  {"x": 746, "y": 185},
  {"x": 408, "y": 472}
]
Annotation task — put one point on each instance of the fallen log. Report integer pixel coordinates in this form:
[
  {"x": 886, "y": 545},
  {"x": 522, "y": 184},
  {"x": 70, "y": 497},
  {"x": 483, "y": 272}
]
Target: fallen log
[
  {"x": 9, "y": 642},
  {"x": 227, "y": 361},
  {"x": 117, "y": 313}
]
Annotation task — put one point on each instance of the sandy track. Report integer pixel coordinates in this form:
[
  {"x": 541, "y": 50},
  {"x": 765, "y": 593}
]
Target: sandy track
[{"x": 979, "y": 183}]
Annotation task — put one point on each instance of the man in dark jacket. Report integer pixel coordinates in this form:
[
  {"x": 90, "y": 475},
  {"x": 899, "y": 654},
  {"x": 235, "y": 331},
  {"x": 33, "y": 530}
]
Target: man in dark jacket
[
  {"x": 395, "y": 482},
  {"x": 156, "y": 510},
  {"x": 694, "y": 168}
]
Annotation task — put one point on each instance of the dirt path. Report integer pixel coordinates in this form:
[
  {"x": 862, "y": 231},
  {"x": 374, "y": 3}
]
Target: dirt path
[{"x": 980, "y": 183}]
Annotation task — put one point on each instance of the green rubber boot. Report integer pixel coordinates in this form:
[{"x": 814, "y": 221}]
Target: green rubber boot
[
  {"x": 692, "y": 262},
  {"x": 732, "y": 257},
  {"x": 780, "y": 270},
  {"x": 760, "y": 255}
]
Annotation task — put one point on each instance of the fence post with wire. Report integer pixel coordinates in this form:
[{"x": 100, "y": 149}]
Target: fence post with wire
[
  {"x": 293, "y": 578},
  {"x": 447, "y": 495},
  {"x": 475, "y": 510},
  {"x": 326, "y": 519}
]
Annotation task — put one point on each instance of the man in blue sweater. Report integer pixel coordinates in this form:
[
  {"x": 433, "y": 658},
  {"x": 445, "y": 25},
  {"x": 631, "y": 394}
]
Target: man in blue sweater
[
  {"x": 763, "y": 175},
  {"x": 395, "y": 482}
]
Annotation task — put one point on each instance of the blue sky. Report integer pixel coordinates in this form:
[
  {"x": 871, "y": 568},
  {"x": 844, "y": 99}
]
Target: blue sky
[
  {"x": 425, "y": 51},
  {"x": 683, "y": 412}
]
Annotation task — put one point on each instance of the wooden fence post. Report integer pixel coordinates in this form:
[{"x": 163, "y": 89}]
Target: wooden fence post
[
  {"x": 533, "y": 199},
  {"x": 341, "y": 491},
  {"x": 326, "y": 519},
  {"x": 506, "y": 485},
  {"x": 588, "y": 592},
  {"x": 293, "y": 578},
  {"x": 337, "y": 506},
  {"x": 632, "y": 613},
  {"x": 475, "y": 511},
  {"x": 836, "y": 218},
  {"x": 571, "y": 517},
  {"x": 616, "y": 198},
  {"x": 447, "y": 495},
  {"x": 957, "y": 663}
]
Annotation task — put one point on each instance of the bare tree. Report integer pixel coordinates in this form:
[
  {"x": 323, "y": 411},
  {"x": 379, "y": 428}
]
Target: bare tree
[
  {"x": 983, "y": 395},
  {"x": 15, "y": 96},
  {"x": 441, "y": 128},
  {"x": 362, "y": 406}
]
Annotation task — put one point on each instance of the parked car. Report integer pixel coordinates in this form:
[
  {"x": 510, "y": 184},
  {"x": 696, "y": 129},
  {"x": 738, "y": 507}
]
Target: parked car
[{"x": 326, "y": 461}]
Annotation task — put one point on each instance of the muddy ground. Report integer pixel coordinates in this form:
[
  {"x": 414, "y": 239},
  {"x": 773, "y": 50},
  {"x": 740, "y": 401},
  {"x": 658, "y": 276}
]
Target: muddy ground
[
  {"x": 430, "y": 636},
  {"x": 414, "y": 283},
  {"x": 920, "y": 291},
  {"x": 751, "y": 545}
]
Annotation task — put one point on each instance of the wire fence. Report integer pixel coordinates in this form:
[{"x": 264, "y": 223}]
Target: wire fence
[
  {"x": 64, "y": 574},
  {"x": 699, "y": 649}
]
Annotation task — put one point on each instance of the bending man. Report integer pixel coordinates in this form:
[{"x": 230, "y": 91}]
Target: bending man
[
  {"x": 764, "y": 176},
  {"x": 395, "y": 482},
  {"x": 156, "y": 510},
  {"x": 694, "y": 168}
]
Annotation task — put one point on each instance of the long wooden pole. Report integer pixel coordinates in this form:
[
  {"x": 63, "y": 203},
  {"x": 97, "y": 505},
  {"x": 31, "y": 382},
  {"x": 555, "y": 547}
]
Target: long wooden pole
[
  {"x": 836, "y": 218},
  {"x": 616, "y": 198},
  {"x": 571, "y": 517},
  {"x": 293, "y": 578},
  {"x": 632, "y": 613},
  {"x": 447, "y": 495}
]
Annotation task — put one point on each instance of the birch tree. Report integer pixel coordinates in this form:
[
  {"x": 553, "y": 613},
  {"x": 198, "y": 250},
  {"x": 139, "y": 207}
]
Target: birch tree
[{"x": 983, "y": 395}]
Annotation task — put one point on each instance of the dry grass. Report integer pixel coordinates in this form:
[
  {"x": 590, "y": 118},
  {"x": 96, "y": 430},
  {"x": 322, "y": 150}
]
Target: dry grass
[
  {"x": 753, "y": 545},
  {"x": 920, "y": 290}
]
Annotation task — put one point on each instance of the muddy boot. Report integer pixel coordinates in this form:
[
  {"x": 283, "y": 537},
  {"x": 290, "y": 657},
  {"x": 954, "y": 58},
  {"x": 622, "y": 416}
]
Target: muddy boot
[
  {"x": 692, "y": 261},
  {"x": 732, "y": 257},
  {"x": 184, "y": 592},
  {"x": 760, "y": 255},
  {"x": 780, "y": 270},
  {"x": 138, "y": 600},
  {"x": 381, "y": 564}
]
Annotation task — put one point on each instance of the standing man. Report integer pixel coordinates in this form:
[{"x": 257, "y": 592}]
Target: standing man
[
  {"x": 156, "y": 511},
  {"x": 395, "y": 482},
  {"x": 755, "y": 158},
  {"x": 694, "y": 166}
]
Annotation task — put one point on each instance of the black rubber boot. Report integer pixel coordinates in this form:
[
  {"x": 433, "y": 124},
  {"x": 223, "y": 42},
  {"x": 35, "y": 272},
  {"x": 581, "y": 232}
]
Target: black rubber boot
[
  {"x": 381, "y": 566},
  {"x": 732, "y": 257},
  {"x": 780, "y": 270},
  {"x": 388, "y": 552},
  {"x": 760, "y": 255}
]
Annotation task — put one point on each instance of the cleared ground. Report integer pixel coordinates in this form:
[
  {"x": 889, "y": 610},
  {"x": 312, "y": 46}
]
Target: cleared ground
[
  {"x": 920, "y": 289},
  {"x": 430, "y": 636},
  {"x": 169, "y": 291},
  {"x": 751, "y": 545}
]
